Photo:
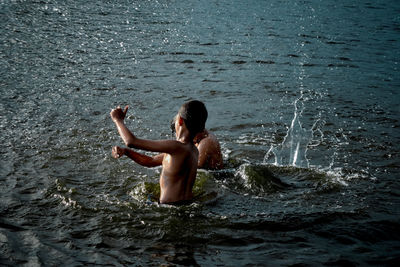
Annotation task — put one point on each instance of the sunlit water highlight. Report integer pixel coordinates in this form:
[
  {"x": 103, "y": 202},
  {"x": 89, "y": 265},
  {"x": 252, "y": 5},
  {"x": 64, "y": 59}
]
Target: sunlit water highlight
[{"x": 303, "y": 96}]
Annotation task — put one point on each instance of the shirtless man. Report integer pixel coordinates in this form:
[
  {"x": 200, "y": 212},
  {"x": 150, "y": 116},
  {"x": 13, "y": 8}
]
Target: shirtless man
[
  {"x": 210, "y": 156},
  {"x": 179, "y": 158}
]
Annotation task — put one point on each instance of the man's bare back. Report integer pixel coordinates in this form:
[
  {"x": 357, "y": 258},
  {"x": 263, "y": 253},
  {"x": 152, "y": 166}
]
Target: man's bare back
[{"x": 179, "y": 174}]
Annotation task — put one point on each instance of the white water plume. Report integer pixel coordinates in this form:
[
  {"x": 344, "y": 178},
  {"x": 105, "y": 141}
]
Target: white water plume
[{"x": 293, "y": 150}]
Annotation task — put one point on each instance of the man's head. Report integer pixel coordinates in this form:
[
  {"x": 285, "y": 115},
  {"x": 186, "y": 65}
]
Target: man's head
[{"x": 194, "y": 114}]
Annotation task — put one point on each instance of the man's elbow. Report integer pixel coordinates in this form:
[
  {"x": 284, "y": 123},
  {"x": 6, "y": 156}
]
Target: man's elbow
[{"x": 130, "y": 143}]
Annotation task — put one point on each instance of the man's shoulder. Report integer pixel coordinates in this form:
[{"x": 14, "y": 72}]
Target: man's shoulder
[
  {"x": 184, "y": 148},
  {"x": 211, "y": 139}
]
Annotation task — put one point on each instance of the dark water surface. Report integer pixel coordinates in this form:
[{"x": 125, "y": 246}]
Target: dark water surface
[{"x": 303, "y": 95}]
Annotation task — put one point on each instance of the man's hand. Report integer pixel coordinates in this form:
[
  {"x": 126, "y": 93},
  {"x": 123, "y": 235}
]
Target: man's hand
[
  {"x": 118, "y": 114},
  {"x": 117, "y": 152}
]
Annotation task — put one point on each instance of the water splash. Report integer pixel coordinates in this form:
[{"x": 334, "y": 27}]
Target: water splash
[{"x": 293, "y": 150}]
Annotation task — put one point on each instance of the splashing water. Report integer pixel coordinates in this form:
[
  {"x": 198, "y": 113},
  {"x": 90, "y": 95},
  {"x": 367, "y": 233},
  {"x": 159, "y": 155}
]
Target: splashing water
[{"x": 293, "y": 150}]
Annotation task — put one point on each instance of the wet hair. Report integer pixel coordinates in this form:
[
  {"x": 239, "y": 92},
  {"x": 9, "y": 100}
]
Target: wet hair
[{"x": 194, "y": 114}]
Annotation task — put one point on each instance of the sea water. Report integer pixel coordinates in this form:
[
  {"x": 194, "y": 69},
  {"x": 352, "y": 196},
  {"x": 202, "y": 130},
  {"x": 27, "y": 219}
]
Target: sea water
[{"x": 302, "y": 95}]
